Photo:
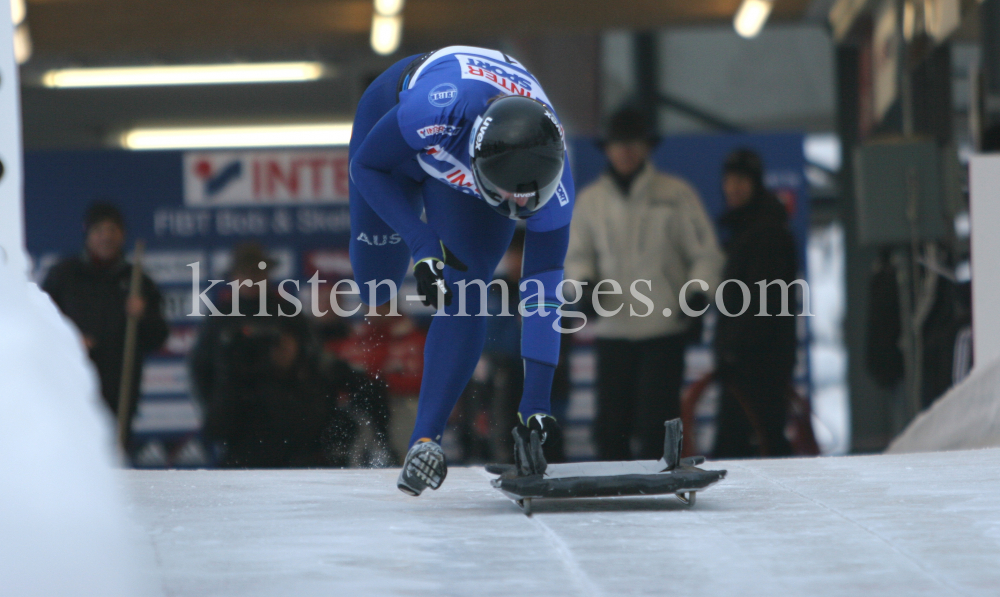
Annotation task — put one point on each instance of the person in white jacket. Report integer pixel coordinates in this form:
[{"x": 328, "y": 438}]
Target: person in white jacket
[{"x": 645, "y": 234}]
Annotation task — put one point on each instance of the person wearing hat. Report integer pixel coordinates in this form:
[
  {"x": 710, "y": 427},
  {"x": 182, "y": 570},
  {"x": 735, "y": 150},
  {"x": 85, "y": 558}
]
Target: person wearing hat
[
  {"x": 754, "y": 356},
  {"x": 92, "y": 290},
  {"x": 648, "y": 232}
]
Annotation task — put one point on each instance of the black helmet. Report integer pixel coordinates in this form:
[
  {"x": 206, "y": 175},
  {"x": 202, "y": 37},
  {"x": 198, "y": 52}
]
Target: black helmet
[{"x": 518, "y": 153}]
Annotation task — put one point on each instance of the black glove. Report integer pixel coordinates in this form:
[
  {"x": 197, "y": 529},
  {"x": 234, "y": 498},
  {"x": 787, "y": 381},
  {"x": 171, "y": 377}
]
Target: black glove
[
  {"x": 529, "y": 458},
  {"x": 429, "y": 273}
]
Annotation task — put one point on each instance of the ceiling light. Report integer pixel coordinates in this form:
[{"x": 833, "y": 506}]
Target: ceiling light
[
  {"x": 389, "y": 8},
  {"x": 195, "y": 74},
  {"x": 751, "y": 16},
  {"x": 23, "y": 47},
  {"x": 386, "y": 32},
  {"x": 218, "y": 137},
  {"x": 17, "y": 11}
]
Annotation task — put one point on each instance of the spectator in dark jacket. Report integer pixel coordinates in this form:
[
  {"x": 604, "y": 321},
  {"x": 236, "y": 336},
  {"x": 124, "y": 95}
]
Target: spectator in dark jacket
[
  {"x": 267, "y": 399},
  {"x": 754, "y": 355},
  {"x": 92, "y": 290}
]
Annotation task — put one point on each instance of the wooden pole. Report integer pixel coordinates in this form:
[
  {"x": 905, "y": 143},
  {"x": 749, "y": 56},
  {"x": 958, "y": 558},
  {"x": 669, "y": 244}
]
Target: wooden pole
[{"x": 128, "y": 359}]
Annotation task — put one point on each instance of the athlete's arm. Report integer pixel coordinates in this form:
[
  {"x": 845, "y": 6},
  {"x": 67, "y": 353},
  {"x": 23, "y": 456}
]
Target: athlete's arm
[
  {"x": 382, "y": 151},
  {"x": 542, "y": 271}
]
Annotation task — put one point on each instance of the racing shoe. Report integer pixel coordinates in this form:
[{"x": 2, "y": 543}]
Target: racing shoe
[
  {"x": 423, "y": 467},
  {"x": 529, "y": 459}
]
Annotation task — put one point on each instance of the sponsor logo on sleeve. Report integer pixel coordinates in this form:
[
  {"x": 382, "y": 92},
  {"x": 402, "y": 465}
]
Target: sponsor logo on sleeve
[
  {"x": 506, "y": 79},
  {"x": 562, "y": 195},
  {"x": 439, "y": 129},
  {"x": 443, "y": 95},
  {"x": 448, "y": 169}
]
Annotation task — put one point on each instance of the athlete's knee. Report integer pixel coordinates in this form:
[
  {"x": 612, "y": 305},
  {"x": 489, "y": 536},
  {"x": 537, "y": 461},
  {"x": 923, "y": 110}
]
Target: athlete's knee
[
  {"x": 374, "y": 287},
  {"x": 470, "y": 296},
  {"x": 378, "y": 270}
]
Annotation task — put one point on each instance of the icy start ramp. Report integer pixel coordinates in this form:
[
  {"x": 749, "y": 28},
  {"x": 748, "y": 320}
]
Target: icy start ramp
[{"x": 918, "y": 524}]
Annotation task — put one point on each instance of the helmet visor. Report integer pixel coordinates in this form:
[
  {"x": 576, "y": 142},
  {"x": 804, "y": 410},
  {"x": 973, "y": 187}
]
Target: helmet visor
[{"x": 518, "y": 204}]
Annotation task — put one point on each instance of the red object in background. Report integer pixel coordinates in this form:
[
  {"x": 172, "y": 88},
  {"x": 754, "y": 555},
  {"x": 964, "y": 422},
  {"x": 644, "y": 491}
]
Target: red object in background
[
  {"x": 331, "y": 265},
  {"x": 789, "y": 199},
  {"x": 798, "y": 427},
  {"x": 390, "y": 348},
  {"x": 203, "y": 169},
  {"x": 179, "y": 343}
]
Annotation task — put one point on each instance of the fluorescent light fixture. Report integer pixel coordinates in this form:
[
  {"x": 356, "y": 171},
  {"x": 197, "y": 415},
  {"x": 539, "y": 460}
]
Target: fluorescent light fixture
[
  {"x": 386, "y": 32},
  {"x": 218, "y": 137},
  {"x": 23, "y": 48},
  {"x": 17, "y": 11},
  {"x": 389, "y": 8},
  {"x": 195, "y": 74},
  {"x": 751, "y": 16}
]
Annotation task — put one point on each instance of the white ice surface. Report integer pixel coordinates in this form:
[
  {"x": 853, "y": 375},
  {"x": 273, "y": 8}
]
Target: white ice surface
[{"x": 919, "y": 524}]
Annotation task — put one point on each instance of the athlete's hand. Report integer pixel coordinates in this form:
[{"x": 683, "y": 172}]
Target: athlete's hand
[{"x": 429, "y": 273}]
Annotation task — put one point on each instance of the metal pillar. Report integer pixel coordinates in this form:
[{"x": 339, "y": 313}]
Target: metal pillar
[
  {"x": 870, "y": 404},
  {"x": 647, "y": 76}
]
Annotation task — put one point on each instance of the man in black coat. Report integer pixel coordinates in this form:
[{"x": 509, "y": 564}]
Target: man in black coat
[
  {"x": 92, "y": 289},
  {"x": 754, "y": 355}
]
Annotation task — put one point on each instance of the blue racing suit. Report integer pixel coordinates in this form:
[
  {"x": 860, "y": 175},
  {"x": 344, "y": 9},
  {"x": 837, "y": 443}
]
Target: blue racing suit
[{"x": 410, "y": 153}]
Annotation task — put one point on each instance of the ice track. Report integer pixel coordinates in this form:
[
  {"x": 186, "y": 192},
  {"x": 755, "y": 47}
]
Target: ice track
[{"x": 917, "y": 524}]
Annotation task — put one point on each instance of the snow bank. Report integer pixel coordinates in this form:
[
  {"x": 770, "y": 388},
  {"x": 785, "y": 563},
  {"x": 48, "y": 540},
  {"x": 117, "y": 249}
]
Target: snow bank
[
  {"x": 967, "y": 417},
  {"x": 63, "y": 530}
]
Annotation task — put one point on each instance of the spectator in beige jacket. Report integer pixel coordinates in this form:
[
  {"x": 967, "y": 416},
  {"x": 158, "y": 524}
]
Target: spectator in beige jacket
[{"x": 637, "y": 237}]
